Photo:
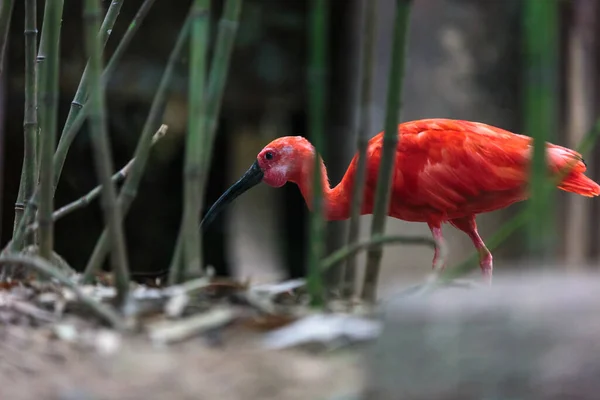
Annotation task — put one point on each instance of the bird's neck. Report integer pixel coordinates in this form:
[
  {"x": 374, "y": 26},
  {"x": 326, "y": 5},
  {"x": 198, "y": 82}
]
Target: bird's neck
[{"x": 336, "y": 200}]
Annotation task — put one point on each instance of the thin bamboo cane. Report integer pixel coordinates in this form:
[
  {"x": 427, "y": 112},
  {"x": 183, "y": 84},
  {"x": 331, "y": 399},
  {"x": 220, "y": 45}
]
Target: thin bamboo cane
[
  {"x": 390, "y": 142},
  {"x": 102, "y": 152}
]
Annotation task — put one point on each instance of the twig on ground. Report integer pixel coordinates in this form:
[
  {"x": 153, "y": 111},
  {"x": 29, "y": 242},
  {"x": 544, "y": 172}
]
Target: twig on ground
[
  {"x": 165, "y": 332},
  {"x": 43, "y": 267}
]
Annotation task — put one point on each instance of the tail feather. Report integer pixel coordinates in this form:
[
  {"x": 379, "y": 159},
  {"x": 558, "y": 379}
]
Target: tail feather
[
  {"x": 580, "y": 184},
  {"x": 562, "y": 158}
]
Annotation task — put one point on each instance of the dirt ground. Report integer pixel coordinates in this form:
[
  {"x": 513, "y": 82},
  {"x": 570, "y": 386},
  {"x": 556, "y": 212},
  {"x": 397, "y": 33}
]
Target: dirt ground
[{"x": 36, "y": 365}]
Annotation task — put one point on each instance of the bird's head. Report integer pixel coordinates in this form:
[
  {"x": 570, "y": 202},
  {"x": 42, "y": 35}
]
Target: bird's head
[{"x": 282, "y": 160}]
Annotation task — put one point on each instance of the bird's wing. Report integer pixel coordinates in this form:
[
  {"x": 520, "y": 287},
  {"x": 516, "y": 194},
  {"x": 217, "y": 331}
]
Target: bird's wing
[
  {"x": 443, "y": 164},
  {"x": 447, "y": 163}
]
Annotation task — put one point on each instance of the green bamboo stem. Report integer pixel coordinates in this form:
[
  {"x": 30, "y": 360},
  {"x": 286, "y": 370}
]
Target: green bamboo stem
[
  {"x": 228, "y": 25},
  {"x": 219, "y": 69},
  {"x": 362, "y": 141},
  {"x": 48, "y": 270},
  {"x": 5, "y": 18},
  {"x": 316, "y": 92},
  {"x": 541, "y": 33},
  {"x": 62, "y": 149},
  {"x": 351, "y": 250},
  {"x": 142, "y": 152},
  {"x": 82, "y": 90},
  {"x": 390, "y": 142},
  {"x": 30, "y": 122},
  {"x": 102, "y": 152},
  {"x": 195, "y": 146},
  {"x": 49, "y": 112},
  {"x": 132, "y": 29},
  {"x": 40, "y": 59},
  {"x": 31, "y": 205}
]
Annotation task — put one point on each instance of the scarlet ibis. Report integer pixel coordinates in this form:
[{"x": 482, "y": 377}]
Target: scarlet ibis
[{"x": 445, "y": 171}]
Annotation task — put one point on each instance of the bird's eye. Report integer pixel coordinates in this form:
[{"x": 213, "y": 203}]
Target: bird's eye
[{"x": 268, "y": 155}]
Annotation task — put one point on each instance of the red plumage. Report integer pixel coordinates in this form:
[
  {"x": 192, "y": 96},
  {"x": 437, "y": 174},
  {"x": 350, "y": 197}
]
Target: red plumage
[{"x": 445, "y": 171}]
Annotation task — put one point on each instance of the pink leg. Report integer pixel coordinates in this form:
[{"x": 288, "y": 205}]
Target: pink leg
[
  {"x": 469, "y": 226},
  {"x": 436, "y": 232}
]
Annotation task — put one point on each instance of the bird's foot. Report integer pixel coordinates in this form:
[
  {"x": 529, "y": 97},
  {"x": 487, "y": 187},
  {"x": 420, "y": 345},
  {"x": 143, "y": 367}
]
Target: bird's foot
[
  {"x": 439, "y": 263},
  {"x": 486, "y": 266}
]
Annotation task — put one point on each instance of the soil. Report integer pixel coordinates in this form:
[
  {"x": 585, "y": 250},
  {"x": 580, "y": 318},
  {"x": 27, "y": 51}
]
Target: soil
[{"x": 35, "y": 364}]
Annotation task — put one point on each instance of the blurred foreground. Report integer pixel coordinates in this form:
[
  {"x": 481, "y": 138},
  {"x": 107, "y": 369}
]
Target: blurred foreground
[{"x": 527, "y": 337}]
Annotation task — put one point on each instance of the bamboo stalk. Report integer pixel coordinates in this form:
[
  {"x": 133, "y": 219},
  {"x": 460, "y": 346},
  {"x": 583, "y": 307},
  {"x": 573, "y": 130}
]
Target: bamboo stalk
[
  {"x": 317, "y": 101},
  {"x": 142, "y": 152},
  {"x": 228, "y": 25},
  {"x": 43, "y": 267},
  {"x": 541, "y": 33},
  {"x": 30, "y": 122},
  {"x": 390, "y": 142},
  {"x": 102, "y": 152},
  {"x": 195, "y": 146},
  {"x": 351, "y": 250},
  {"x": 40, "y": 60},
  {"x": 132, "y": 29},
  {"x": 362, "y": 140},
  {"x": 5, "y": 18},
  {"x": 83, "y": 90},
  {"x": 62, "y": 149},
  {"x": 49, "y": 112}
]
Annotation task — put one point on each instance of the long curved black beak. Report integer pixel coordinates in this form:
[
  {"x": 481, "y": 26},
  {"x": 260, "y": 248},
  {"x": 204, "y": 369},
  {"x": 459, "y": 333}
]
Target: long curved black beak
[{"x": 251, "y": 178}]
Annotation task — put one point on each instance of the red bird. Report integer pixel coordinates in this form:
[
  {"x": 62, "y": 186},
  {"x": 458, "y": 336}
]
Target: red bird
[{"x": 445, "y": 171}]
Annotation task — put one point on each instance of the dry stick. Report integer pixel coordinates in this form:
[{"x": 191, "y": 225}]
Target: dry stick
[
  {"x": 31, "y": 205},
  {"x": 102, "y": 153},
  {"x": 43, "y": 267},
  {"x": 390, "y": 141},
  {"x": 49, "y": 111},
  {"x": 228, "y": 25},
  {"x": 82, "y": 90},
  {"x": 362, "y": 141},
  {"x": 195, "y": 146},
  {"x": 5, "y": 18},
  {"x": 142, "y": 151},
  {"x": 95, "y": 192},
  {"x": 375, "y": 241},
  {"x": 30, "y": 120}
]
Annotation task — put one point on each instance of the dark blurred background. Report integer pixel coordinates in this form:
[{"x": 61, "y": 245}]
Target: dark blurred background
[{"x": 464, "y": 61}]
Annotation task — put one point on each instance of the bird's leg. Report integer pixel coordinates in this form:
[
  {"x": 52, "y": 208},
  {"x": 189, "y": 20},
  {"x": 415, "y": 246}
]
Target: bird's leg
[
  {"x": 439, "y": 259},
  {"x": 469, "y": 226}
]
